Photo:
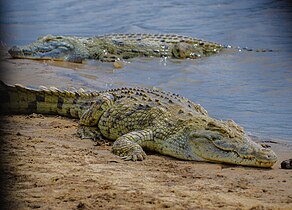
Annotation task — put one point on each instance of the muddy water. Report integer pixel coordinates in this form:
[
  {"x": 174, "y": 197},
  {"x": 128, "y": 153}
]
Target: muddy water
[{"x": 254, "y": 89}]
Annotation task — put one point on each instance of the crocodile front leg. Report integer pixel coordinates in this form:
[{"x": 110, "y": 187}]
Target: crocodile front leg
[
  {"x": 129, "y": 146},
  {"x": 87, "y": 127}
]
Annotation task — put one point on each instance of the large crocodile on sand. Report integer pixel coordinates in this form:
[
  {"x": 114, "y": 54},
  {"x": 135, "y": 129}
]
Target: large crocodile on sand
[
  {"x": 137, "y": 118},
  {"x": 110, "y": 48}
]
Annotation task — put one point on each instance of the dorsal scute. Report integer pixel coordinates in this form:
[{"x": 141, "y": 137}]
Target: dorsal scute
[
  {"x": 158, "y": 96},
  {"x": 168, "y": 38},
  {"x": 66, "y": 93}
]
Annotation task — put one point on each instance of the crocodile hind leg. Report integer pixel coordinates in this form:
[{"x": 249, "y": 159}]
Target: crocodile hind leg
[
  {"x": 85, "y": 132},
  {"x": 129, "y": 146},
  {"x": 87, "y": 127}
]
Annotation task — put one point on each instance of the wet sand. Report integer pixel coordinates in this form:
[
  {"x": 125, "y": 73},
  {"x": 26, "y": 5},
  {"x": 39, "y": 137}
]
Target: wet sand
[{"x": 46, "y": 166}]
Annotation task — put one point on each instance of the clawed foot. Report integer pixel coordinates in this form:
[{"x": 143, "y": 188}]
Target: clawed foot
[
  {"x": 135, "y": 156},
  {"x": 132, "y": 152}
]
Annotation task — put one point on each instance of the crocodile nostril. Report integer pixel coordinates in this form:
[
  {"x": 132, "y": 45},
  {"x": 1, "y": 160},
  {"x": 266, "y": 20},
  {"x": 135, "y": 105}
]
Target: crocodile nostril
[{"x": 14, "y": 51}]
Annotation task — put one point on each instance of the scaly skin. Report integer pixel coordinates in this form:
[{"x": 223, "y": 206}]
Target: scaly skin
[
  {"x": 115, "y": 47},
  {"x": 137, "y": 118}
]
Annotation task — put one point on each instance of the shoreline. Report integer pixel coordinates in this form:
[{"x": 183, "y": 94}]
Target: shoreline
[
  {"x": 47, "y": 166},
  {"x": 63, "y": 76}
]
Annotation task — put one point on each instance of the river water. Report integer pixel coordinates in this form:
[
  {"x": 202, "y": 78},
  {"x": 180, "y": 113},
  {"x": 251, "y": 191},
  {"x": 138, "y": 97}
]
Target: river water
[{"x": 254, "y": 89}]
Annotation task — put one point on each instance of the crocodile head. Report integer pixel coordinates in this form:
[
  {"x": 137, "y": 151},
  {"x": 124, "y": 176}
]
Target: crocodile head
[
  {"x": 227, "y": 142},
  {"x": 51, "y": 47}
]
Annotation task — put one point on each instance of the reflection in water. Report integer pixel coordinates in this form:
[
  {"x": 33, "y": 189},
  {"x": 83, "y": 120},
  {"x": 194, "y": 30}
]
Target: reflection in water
[{"x": 252, "y": 88}]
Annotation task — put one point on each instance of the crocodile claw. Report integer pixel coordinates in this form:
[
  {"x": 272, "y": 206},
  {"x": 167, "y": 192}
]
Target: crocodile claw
[{"x": 135, "y": 156}]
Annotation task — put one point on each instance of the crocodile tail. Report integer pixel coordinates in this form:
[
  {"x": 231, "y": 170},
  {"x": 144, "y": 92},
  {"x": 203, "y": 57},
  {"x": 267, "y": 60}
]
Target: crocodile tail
[
  {"x": 247, "y": 49},
  {"x": 17, "y": 99}
]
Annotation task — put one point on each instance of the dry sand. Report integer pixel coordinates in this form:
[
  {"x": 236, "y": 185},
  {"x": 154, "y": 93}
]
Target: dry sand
[{"x": 46, "y": 166}]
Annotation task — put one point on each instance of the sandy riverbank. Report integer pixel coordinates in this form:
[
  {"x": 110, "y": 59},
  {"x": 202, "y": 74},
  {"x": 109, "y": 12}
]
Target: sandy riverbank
[{"x": 46, "y": 166}]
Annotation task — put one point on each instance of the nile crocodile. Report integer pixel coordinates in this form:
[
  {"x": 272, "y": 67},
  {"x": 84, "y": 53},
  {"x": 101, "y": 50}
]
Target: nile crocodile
[
  {"x": 137, "y": 118},
  {"x": 115, "y": 47}
]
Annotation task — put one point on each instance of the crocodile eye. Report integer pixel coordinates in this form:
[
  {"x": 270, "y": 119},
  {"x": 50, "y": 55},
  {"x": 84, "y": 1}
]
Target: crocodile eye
[{"x": 43, "y": 51}]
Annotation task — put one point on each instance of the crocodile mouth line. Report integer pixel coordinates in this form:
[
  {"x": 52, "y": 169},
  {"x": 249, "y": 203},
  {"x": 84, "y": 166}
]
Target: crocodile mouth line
[
  {"x": 218, "y": 154},
  {"x": 34, "y": 57},
  {"x": 37, "y": 55},
  {"x": 238, "y": 159}
]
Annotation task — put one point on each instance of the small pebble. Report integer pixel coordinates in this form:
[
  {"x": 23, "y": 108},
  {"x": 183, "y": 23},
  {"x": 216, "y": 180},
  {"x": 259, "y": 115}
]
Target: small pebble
[
  {"x": 286, "y": 164},
  {"x": 118, "y": 64}
]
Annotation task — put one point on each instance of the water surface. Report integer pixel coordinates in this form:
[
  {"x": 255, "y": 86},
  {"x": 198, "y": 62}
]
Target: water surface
[{"x": 254, "y": 89}]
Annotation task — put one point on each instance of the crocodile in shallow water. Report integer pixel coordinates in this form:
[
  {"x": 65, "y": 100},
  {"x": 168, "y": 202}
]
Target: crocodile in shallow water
[
  {"x": 115, "y": 47},
  {"x": 137, "y": 118}
]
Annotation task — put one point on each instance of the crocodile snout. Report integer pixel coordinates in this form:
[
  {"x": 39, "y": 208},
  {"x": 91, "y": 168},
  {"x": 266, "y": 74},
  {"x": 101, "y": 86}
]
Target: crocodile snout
[{"x": 15, "y": 51}]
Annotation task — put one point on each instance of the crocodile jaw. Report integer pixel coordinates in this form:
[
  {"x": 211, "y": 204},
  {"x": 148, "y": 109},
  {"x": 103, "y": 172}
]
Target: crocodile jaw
[
  {"x": 50, "y": 47},
  {"x": 243, "y": 152},
  {"x": 35, "y": 54}
]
